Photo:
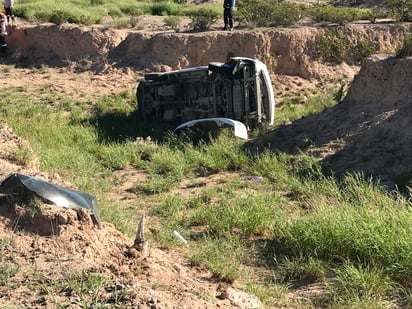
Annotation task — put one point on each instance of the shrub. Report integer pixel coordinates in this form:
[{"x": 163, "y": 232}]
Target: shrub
[
  {"x": 132, "y": 10},
  {"x": 166, "y": 8},
  {"x": 114, "y": 12},
  {"x": 86, "y": 19},
  {"x": 332, "y": 46},
  {"x": 173, "y": 22},
  {"x": 96, "y": 2},
  {"x": 203, "y": 18},
  {"x": 124, "y": 23},
  {"x": 339, "y": 15},
  {"x": 400, "y": 10},
  {"x": 59, "y": 17},
  {"x": 285, "y": 14},
  {"x": 264, "y": 14},
  {"x": 253, "y": 12},
  {"x": 42, "y": 16},
  {"x": 363, "y": 50},
  {"x": 377, "y": 13},
  {"x": 405, "y": 50}
]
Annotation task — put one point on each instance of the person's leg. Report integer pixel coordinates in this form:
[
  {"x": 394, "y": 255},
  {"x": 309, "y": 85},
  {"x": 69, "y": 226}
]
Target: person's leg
[
  {"x": 9, "y": 14},
  {"x": 230, "y": 19},
  {"x": 226, "y": 19},
  {"x": 3, "y": 43}
]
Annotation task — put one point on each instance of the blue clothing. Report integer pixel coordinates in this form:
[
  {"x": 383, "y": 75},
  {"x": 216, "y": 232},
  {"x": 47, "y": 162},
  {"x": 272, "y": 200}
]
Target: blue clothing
[{"x": 229, "y": 4}]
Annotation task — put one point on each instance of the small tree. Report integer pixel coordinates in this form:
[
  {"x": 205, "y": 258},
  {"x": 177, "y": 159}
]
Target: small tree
[
  {"x": 253, "y": 12},
  {"x": 173, "y": 22},
  {"x": 332, "y": 46},
  {"x": 285, "y": 14},
  {"x": 203, "y": 18},
  {"x": 401, "y": 10},
  {"x": 268, "y": 14},
  {"x": 405, "y": 50},
  {"x": 363, "y": 50},
  {"x": 339, "y": 15}
]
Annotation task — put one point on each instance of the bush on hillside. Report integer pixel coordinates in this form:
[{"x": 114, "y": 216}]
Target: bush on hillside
[
  {"x": 332, "y": 46},
  {"x": 268, "y": 14},
  {"x": 124, "y": 23},
  {"x": 86, "y": 19},
  {"x": 339, "y": 15},
  {"x": 173, "y": 22},
  {"x": 376, "y": 13},
  {"x": 400, "y": 10},
  {"x": 63, "y": 16},
  {"x": 96, "y": 2},
  {"x": 132, "y": 10},
  {"x": 59, "y": 17},
  {"x": 164, "y": 8},
  {"x": 405, "y": 50},
  {"x": 363, "y": 50},
  {"x": 203, "y": 18},
  {"x": 41, "y": 16},
  {"x": 285, "y": 14},
  {"x": 253, "y": 12}
]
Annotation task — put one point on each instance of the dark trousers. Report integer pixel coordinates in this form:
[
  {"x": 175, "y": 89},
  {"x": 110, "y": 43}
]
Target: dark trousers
[
  {"x": 228, "y": 17},
  {"x": 3, "y": 43},
  {"x": 9, "y": 13}
]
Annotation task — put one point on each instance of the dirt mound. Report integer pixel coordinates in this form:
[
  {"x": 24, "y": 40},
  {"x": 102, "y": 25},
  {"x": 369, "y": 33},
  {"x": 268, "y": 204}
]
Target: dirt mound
[
  {"x": 56, "y": 257},
  {"x": 367, "y": 132}
]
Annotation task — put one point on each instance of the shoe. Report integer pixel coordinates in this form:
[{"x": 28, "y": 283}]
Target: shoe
[
  {"x": 231, "y": 29},
  {"x": 224, "y": 28}
]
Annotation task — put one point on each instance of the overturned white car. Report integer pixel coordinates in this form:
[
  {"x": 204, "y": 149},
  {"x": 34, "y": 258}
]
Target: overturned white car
[{"x": 240, "y": 89}]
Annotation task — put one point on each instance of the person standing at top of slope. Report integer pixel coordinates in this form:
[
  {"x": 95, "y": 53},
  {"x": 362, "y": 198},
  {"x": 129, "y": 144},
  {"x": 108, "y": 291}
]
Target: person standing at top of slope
[
  {"x": 8, "y": 9},
  {"x": 228, "y": 6}
]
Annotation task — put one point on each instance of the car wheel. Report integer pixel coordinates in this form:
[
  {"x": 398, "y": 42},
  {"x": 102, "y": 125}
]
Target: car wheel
[{"x": 147, "y": 104}]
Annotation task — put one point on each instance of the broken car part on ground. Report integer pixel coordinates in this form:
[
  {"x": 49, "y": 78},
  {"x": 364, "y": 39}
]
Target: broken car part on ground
[
  {"x": 239, "y": 128},
  {"x": 21, "y": 187}
]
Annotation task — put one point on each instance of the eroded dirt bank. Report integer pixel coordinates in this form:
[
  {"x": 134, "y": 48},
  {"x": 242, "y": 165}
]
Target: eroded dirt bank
[
  {"x": 285, "y": 51},
  {"x": 368, "y": 132}
]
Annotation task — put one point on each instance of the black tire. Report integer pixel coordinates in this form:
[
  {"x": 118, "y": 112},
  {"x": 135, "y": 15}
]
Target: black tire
[
  {"x": 147, "y": 105},
  {"x": 139, "y": 97}
]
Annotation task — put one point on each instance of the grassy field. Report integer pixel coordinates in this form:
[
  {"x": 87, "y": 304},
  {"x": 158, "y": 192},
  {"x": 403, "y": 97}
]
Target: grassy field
[
  {"x": 274, "y": 221},
  {"x": 250, "y": 13},
  {"x": 117, "y": 14}
]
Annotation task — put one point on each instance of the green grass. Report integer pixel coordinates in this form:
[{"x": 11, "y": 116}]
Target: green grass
[
  {"x": 272, "y": 221},
  {"x": 209, "y": 252},
  {"x": 7, "y": 271},
  {"x": 125, "y": 13},
  {"x": 81, "y": 12},
  {"x": 291, "y": 110},
  {"x": 115, "y": 14}
]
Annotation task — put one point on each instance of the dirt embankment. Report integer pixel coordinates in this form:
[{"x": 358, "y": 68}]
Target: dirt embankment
[
  {"x": 368, "y": 132},
  {"x": 48, "y": 253},
  {"x": 286, "y": 51}
]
